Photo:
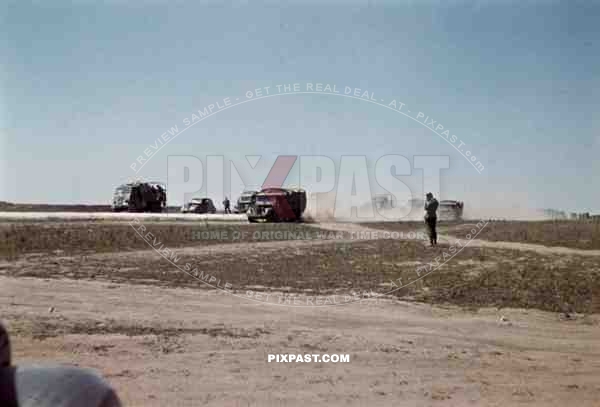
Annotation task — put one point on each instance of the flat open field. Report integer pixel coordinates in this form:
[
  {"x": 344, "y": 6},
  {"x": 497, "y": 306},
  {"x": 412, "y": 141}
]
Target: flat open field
[
  {"x": 291, "y": 258},
  {"x": 492, "y": 324},
  {"x": 21, "y": 207},
  {"x": 17, "y": 239},
  {"x": 574, "y": 234}
]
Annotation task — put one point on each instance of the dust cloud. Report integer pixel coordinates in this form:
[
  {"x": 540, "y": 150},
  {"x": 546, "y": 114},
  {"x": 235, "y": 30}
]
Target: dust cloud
[{"x": 321, "y": 207}]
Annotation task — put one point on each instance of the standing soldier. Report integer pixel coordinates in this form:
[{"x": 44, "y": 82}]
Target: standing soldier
[
  {"x": 431, "y": 206},
  {"x": 226, "y": 205}
]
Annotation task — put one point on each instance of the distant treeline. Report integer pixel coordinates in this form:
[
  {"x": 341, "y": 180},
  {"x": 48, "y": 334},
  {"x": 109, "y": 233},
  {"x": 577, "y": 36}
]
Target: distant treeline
[{"x": 12, "y": 207}]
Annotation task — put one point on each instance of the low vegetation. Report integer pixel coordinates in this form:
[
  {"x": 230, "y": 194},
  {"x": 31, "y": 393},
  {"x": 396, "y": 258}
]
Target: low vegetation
[
  {"x": 18, "y": 239},
  {"x": 574, "y": 234},
  {"x": 583, "y": 235},
  {"x": 474, "y": 277}
]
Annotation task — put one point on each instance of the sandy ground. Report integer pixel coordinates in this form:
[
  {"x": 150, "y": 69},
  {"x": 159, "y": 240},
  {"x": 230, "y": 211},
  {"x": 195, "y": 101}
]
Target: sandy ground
[
  {"x": 400, "y": 353},
  {"x": 188, "y": 347}
]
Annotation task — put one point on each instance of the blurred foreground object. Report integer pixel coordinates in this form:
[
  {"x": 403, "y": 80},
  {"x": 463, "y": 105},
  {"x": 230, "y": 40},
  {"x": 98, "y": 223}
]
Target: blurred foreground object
[{"x": 50, "y": 386}]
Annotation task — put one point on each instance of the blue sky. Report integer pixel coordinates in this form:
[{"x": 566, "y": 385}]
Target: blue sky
[{"x": 86, "y": 88}]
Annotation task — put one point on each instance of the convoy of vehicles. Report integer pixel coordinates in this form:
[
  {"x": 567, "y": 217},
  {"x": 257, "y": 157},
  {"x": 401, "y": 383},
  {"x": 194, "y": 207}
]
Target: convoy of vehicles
[{"x": 265, "y": 205}]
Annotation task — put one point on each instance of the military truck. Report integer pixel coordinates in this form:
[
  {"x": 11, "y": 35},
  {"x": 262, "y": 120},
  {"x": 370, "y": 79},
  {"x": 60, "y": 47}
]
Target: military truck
[
  {"x": 384, "y": 201},
  {"x": 243, "y": 202},
  {"x": 277, "y": 205},
  {"x": 450, "y": 210},
  {"x": 140, "y": 197}
]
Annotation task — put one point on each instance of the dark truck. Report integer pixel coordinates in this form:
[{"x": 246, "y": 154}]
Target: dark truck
[
  {"x": 140, "y": 197},
  {"x": 277, "y": 205},
  {"x": 199, "y": 205}
]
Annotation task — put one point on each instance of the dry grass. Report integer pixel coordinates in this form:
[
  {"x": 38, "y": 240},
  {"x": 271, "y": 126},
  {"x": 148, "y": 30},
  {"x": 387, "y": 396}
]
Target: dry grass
[
  {"x": 20, "y": 207},
  {"x": 18, "y": 239},
  {"x": 475, "y": 277},
  {"x": 405, "y": 226},
  {"x": 48, "y": 327},
  {"x": 573, "y": 234},
  {"x": 507, "y": 278},
  {"x": 16, "y": 207}
]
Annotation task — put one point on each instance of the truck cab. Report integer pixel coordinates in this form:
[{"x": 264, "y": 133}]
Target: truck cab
[
  {"x": 121, "y": 197},
  {"x": 244, "y": 201},
  {"x": 277, "y": 205}
]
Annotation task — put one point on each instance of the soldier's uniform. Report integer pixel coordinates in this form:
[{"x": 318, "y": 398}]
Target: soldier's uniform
[
  {"x": 226, "y": 205},
  {"x": 431, "y": 206}
]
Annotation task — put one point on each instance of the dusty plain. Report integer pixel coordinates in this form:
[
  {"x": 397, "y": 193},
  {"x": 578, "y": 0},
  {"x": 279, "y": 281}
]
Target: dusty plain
[{"x": 500, "y": 322}]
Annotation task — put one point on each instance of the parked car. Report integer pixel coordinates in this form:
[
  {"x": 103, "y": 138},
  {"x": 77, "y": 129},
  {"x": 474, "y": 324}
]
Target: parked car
[{"x": 199, "y": 205}]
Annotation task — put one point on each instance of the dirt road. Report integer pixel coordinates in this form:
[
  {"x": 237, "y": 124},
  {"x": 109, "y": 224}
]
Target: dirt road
[{"x": 400, "y": 353}]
